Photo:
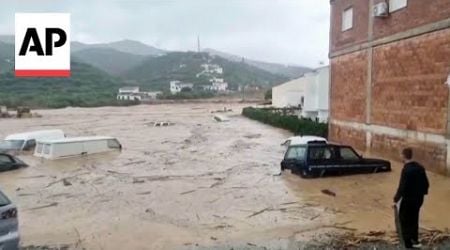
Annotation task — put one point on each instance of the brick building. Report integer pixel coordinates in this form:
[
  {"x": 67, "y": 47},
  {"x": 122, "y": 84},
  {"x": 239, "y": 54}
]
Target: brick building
[{"x": 390, "y": 77}]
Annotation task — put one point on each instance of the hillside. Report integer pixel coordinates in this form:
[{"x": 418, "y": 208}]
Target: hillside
[
  {"x": 126, "y": 46},
  {"x": 88, "y": 86},
  {"x": 109, "y": 60},
  {"x": 156, "y": 73},
  {"x": 274, "y": 68},
  {"x": 6, "y": 57}
]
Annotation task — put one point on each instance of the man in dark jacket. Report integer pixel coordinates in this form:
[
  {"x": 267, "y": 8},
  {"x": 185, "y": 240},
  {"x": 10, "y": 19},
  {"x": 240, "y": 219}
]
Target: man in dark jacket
[{"x": 411, "y": 191}]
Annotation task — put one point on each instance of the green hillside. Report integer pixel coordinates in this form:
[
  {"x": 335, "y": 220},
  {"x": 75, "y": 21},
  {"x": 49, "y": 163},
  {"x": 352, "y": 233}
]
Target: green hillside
[
  {"x": 6, "y": 57},
  {"x": 109, "y": 60},
  {"x": 86, "y": 87},
  {"x": 157, "y": 72}
]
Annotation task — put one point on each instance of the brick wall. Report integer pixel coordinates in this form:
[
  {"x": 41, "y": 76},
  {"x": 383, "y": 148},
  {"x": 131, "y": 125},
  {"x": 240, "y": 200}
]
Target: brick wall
[
  {"x": 348, "y": 87},
  {"x": 417, "y": 13},
  {"x": 355, "y": 35},
  {"x": 409, "y": 90},
  {"x": 431, "y": 155},
  {"x": 347, "y": 136}
]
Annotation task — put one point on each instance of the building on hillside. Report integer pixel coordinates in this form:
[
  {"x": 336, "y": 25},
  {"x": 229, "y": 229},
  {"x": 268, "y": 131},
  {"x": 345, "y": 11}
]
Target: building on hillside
[
  {"x": 390, "y": 61},
  {"x": 129, "y": 94},
  {"x": 289, "y": 94},
  {"x": 219, "y": 85},
  {"x": 178, "y": 86},
  {"x": 134, "y": 94},
  {"x": 210, "y": 69}
]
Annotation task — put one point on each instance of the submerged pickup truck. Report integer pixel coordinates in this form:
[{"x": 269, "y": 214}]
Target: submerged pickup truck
[{"x": 318, "y": 159}]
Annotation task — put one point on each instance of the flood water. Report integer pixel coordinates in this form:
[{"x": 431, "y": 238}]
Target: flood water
[{"x": 198, "y": 183}]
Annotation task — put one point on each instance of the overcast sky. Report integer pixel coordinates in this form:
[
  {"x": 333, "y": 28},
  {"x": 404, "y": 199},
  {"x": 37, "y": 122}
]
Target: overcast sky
[{"x": 283, "y": 31}]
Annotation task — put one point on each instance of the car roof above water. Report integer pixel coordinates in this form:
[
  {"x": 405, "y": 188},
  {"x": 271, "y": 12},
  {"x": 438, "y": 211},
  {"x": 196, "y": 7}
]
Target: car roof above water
[
  {"x": 39, "y": 134},
  {"x": 302, "y": 140},
  {"x": 76, "y": 139}
]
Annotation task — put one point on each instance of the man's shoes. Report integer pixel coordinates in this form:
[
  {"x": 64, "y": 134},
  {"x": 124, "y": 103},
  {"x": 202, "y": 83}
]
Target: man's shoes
[{"x": 416, "y": 244}]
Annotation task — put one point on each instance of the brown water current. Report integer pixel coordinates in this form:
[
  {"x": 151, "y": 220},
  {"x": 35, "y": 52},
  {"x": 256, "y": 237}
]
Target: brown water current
[{"x": 198, "y": 182}]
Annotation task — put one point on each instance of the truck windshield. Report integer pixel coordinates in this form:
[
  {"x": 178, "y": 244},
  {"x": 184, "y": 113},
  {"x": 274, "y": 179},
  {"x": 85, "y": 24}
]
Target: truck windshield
[
  {"x": 11, "y": 144},
  {"x": 297, "y": 152}
]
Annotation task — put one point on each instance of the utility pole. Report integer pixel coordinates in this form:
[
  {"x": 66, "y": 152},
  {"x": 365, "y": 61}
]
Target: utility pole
[{"x": 198, "y": 44}]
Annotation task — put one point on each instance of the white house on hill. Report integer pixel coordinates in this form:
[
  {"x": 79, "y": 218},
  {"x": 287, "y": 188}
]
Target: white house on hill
[
  {"x": 134, "y": 94},
  {"x": 177, "y": 86}
]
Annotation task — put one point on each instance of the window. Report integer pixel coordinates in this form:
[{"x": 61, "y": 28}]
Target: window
[
  {"x": 347, "y": 19},
  {"x": 397, "y": 4},
  {"x": 5, "y": 159},
  {"x": 322, "y": 153},
  {"x": 348, "y": 154},
  {"x": 46, "y": 149},
  {"x": 297, "y": 153},
  {"x": 29, "y": 145},
  {"x": 113, "y": 143},
  {"x": 39, "y": 148},
  {"x": 3, "y": 200}
]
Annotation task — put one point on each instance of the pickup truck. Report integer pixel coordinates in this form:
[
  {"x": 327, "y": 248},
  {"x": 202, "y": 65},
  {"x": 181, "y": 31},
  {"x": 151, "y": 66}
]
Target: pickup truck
[{"x": 317, "y": 159}]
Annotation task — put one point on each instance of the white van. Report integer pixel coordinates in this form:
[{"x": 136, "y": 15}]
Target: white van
[
  {"x": 27, "y": 141},
  {"x": 76, "y": 146}
]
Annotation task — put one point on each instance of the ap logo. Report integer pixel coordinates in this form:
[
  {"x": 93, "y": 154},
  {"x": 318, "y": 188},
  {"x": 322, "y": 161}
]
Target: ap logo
[{"x": 42, "y": 45}]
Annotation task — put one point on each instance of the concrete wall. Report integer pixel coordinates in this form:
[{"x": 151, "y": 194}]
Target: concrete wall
[
  {"x": 289, "y": 94},
  {"x": 388, "y": 81}
]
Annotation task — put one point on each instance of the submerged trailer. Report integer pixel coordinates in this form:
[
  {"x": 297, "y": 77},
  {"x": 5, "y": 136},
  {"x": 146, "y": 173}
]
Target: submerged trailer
[{"x": 76, "y": 146}]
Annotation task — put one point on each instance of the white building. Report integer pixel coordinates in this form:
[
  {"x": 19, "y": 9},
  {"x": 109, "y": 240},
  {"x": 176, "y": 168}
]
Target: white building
[
  {"x": 177, "y": 86},
  {"x": 317, "y": 94},
  {"x": 209, "y": 69},
  {"x": 134, "y": 94},
  {"x": 309, "y": 92},
  {"x": 129, "y": 94},
  {"x": 289, "y": 94}
]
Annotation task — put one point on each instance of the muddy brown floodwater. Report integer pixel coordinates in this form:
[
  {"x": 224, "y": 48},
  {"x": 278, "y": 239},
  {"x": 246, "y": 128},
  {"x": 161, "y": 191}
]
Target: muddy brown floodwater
[{"x": 198, "y": 183}]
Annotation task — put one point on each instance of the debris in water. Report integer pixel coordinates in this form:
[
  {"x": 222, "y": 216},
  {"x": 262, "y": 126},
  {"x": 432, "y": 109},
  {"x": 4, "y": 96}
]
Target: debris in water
[
  {"x": 328, "y": 192},
  {"x": 213, "y": 238},
  {"x": 188, "y": 192},
  {"x": 66, "y": 182},
  {"x": 54, "y": 204},
  {"x": 135, "y": 180}
]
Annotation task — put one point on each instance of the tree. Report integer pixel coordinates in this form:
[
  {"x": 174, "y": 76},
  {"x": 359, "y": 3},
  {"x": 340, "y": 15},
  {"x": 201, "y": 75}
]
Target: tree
[{"x": 268, "y": 95}]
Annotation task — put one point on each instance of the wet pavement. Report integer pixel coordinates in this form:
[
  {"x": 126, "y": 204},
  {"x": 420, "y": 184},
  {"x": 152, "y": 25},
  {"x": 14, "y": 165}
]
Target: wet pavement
[{"x": 196, "y": 184}]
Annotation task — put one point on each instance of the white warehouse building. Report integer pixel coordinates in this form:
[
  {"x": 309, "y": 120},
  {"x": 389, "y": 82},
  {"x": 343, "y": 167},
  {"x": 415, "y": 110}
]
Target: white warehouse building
[
  {"x": 309, "y": 92},
  {"x": 289, "y": 94}
]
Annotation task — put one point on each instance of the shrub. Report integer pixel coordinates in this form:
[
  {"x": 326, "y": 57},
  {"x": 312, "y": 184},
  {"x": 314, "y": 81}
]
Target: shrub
[{"x": 292, "y": 123}]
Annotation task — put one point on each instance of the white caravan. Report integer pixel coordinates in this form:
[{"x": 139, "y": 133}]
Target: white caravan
[
  {"x": 76, "y": 146},
  {"x": 27, "y": 141}
]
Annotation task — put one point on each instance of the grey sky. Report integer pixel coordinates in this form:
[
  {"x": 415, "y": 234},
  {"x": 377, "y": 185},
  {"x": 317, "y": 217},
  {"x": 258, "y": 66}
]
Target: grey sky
[{"x": 283, "y": 31}]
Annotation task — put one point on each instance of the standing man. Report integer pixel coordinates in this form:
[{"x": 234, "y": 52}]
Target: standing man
[{"x": 411, "y": 191}]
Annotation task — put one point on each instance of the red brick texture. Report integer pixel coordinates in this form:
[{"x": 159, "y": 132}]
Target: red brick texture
[
  {"x": 347, "y": 136},
  {"x": 431, "y": 155},
  {"x": 417, "y": 13},
  {"x": 408, "y": 88},
  {"x": 355, "y": 35},
  {"x": 348, "y": 88}
]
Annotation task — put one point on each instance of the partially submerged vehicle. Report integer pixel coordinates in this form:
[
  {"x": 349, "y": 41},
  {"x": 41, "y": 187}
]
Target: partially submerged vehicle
[
  {"x": 303, "y": 140},
  {"x": 318, "y": 159},
  {"x": 27, "y": 141},
  {"x": 221, "y": 118},
  {"x": 9, "y": 224},
  {"x": 9, "y": 162},
  {"x": 76, "y": 146}
]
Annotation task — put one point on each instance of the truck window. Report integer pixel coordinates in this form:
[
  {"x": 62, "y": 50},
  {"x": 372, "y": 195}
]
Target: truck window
[
  {"x": 296, "y": 153},
  {"x": 320, "y": 153},
  {"x": 348, "y": 154}
]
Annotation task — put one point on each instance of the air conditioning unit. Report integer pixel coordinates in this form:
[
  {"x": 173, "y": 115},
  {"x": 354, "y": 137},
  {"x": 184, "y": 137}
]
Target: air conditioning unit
[{"x": 381, "y": 10}]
